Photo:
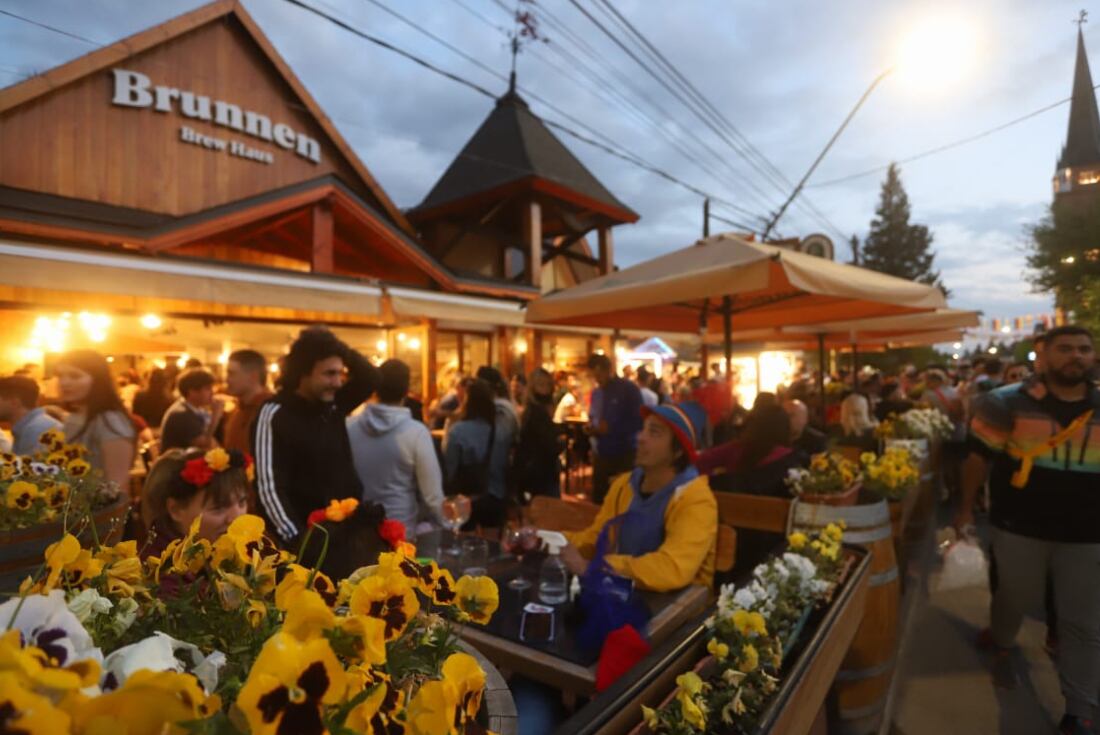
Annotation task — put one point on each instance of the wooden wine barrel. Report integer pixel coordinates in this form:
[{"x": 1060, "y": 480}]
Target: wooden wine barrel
[
  {"x": 22, "y": 551},
  {"x": 863, "y": 682}
]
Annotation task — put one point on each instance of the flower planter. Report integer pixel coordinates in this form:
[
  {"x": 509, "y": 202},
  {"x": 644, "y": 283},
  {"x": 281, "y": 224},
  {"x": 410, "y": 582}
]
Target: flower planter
[
  {"x": 848, "y": 497},
  {"x": 704, "y": 668},
  {"x": 22, "y": 551},
  {"x": 498, "y": 709}
]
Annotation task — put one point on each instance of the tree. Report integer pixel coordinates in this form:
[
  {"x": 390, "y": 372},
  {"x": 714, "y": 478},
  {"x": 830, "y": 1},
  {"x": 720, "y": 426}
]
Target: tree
[
  {"x": 853, "y": 243},
  {"x": 1065, "y": 258},
  {"x": 895, "y": 246}
]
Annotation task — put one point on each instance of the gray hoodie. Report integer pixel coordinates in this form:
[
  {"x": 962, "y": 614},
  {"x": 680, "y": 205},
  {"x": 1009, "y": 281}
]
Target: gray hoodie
[{"x": 396, "y": 462}]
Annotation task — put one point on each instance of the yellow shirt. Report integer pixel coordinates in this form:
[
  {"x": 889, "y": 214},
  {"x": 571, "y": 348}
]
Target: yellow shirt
[{"x": 691, "y": 533}]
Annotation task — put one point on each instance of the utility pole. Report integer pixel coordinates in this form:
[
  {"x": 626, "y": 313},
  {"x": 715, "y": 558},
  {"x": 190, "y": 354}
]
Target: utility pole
[{"x": 706, "y": 218}]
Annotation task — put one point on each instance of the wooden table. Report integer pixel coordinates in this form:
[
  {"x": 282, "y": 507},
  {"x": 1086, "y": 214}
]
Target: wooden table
[{"x": 670, "y": 612}]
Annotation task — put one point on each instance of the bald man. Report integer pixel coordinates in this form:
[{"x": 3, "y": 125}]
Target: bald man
[{"x": 805, "y": 439}]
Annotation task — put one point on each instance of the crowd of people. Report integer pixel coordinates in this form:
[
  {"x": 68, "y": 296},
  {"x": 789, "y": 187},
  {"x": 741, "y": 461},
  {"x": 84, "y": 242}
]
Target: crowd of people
[{"x": 337, "y": 426}]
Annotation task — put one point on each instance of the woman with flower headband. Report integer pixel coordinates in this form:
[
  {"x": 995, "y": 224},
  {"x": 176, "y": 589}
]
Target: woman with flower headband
[{"x": 185, "y": 485}]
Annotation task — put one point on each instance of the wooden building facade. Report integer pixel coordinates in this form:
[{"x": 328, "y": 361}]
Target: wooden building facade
[{"x": 186, "y": 171}]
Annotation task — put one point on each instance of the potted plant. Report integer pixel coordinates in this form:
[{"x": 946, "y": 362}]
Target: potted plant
[
  {"x": 890, "y": 475},
  {"x": 46, "y": 495},
  {"x": 234, "y": 637},
  {"x": 831, "y": 479}
]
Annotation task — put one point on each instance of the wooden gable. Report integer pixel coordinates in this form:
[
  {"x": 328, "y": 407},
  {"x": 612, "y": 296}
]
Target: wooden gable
[{"x": 62, "y": 133}]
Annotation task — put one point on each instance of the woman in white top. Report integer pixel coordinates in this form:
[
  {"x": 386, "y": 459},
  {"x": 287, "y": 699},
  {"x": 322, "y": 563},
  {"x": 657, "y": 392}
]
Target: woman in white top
[{"x": 99, "y": 419}]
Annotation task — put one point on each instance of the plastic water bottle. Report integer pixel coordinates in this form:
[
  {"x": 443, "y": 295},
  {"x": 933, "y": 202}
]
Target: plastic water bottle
[{"x": 553, "y": 576}]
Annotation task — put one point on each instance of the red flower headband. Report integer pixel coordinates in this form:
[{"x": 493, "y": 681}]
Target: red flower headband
[
  {"x": 391, "y": 531},
  {"x": 200, "y": 470}
]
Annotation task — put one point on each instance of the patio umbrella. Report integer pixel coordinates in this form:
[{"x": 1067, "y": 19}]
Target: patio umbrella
[{"x": 723, "y": 280}]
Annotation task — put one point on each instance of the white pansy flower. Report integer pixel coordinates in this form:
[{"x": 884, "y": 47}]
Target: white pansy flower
[
  {"x": 46, "y": 622},
  {"x": 161, "y": 652}
]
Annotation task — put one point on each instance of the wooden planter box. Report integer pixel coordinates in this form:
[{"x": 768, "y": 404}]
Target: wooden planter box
[
  {"x": 795, "y": 706},
  {"x": 22, "y": 551}
]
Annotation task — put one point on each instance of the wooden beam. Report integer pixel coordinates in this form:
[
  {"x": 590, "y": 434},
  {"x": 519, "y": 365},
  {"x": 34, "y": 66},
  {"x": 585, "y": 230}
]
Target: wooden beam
[
  {"x": 607, "y": 251},
  {"x": 431, "y": 346},
  {"x": 322, "y": 255},
  {"x": 561, "y": 248},
  {"x": 532, "y": 236}
]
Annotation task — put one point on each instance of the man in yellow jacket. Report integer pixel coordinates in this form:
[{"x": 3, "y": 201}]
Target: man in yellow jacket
[{"x": 658, "y": 524}]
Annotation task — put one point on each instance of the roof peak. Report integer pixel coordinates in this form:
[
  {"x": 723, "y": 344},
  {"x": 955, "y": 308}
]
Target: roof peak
[{"x": 1082, "y": 145}]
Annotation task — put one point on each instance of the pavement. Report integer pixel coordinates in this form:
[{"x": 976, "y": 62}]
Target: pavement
[{"x": 943, "y": 685}]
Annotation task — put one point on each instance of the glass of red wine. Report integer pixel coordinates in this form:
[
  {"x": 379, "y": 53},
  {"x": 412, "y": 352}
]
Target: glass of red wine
[{"x": 517, "y": 541}]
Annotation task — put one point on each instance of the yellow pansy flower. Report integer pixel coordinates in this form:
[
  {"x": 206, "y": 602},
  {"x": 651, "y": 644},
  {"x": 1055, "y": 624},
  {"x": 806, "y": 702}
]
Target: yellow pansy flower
[
  {"x": 56, "y": 494},
  {"x": 388, "y": 597},
  {"x": 58, "y": 555},
  {"x": 255, "y": 613},
  {"x": 719, "y": 650},
  {"x": 750, "y": 659},
  {"x": 78, "y": 468},
  {"x": 797, "y": 540},
  {"x": 23, "y": 711},
  {"x": 462, "y": 672},
  {"x": 375, "y": 713},
  {"x": 651, "y": 718},
  {"x": 52, "y": 439},
  {"x": 296, "y": 580},
  {"x": 689, "y": 683},
  {"x": 125, "y": 577},
  {"x": 692, "y": 711},
  {"x": 35, "y": 669},
  {"x": 431, "y": 710},
  {"x": 291, "y": 681},
  {"x": 749, "y": 623},
  {"x": 307, "y": 616},
  {"x": 217, "y": 459},
  {"x": 368, "y": 636},
  {"x": 147, "y": 703},
  {"x": 21, "y": 495},
  {"x": 477, "y": 597}
]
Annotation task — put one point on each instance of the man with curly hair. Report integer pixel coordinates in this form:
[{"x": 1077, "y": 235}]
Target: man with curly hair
[{"x": 299, "y": 440}]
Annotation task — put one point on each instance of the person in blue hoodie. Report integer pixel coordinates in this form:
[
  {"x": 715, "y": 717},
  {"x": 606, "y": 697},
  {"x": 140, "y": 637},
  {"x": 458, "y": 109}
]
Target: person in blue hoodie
[{"x": 394, "y": 455}]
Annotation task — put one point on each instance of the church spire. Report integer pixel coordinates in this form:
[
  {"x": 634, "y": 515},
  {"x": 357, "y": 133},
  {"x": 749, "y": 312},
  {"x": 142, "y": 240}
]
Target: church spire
[{"x": 1083, "y": 136}]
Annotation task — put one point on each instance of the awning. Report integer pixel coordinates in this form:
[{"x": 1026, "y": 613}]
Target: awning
[
  {"x": 82, "y": 279},
  {"x": 451, "y": 307}
]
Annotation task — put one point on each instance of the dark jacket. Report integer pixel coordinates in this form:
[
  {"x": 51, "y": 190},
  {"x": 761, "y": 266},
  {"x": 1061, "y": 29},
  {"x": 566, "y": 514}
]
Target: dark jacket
[
  {"x": 538, "y": 450},
  {"x": 302, "y": 454}
]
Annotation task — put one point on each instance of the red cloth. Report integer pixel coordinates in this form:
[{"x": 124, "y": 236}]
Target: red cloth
[
  {"x": 725, "y": 457},
  {"x": 622, "y": 649}
]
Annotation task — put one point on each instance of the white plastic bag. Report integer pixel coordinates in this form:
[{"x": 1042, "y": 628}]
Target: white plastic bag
[{"x": 964, "y": 565}]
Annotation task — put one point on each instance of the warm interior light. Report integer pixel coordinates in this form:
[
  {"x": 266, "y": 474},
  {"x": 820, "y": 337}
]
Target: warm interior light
[
  {"x": 273, "y": 367},
  {"x": 414, "y": 343},
  {"x": 937, "y": 51},
  {"x": 957, "y": 345},
  {"x": 993, "y": 350},
  {"x": 380, "y": 345},
  {"x": 181, "y": 363},
  {"x": 151, "y": 321},
  {"x": 401, "y": 337},
  {"x": 223, "y": 358},
  {"x": 520, "y": 345},
  {"x": 1006, "y": 329}
]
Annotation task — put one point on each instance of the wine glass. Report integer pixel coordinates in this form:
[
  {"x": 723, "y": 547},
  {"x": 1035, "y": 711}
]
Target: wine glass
[
  {"x": 517, "y": 542},
  {"x": 456, "y": 511}
]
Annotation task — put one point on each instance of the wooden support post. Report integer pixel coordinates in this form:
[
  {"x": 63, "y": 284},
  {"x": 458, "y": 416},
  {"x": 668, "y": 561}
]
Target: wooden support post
[
  {"x": 704, "y": 356},
  {"x": 534, "y": 350},
  {"x": 428, "y": 362},
  {"x": 504, "y": 341},
  {"x": 322, "y": 255},
  {"x": 607, "y": 250},
  {"x": 532, "y": 237}
]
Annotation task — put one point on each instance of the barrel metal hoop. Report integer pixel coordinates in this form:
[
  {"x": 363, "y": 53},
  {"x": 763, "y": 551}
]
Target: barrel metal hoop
[
  {"x": 877, "y": 580},
  {"x": 871, "y": 535},
  {"x": 858, "y": 713},
  {"x": 868, "y": 673}
]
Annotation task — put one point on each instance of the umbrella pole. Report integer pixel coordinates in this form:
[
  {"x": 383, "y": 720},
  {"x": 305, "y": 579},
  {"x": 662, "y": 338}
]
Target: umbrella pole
[
  {"x": 727, "y": 330},
  {"x": 821, "y": 375},
  {"x": 855, "y": 366}
]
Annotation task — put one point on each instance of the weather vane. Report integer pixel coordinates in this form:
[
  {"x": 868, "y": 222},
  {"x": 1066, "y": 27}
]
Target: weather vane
[
  {"x": 1082, "y": 18},
  {"x": 526, "y": 30}
]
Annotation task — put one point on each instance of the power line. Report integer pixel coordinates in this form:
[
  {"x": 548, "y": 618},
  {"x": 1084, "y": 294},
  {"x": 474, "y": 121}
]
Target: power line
[
  {"x": 707, "y": 117},
  {"x": 481, "y": 90},
  {"x": 50, "y": 28},
  {"x": 947, "y": 146},
  {"x": 778, "y": 177},
  {"x": 609, "y": 143}
]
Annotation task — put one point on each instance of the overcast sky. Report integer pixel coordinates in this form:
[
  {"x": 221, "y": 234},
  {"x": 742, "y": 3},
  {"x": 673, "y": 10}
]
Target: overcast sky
[{"x": 785, "y": 73}]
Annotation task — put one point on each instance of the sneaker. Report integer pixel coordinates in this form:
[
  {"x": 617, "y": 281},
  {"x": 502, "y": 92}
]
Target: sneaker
[
  {"x": 1004, "y": 669},
  {"x": 1071, "y": 725}
]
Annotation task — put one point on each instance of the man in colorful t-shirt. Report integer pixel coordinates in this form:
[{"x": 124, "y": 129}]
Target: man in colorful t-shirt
[{"x": 1040, "y": 444}]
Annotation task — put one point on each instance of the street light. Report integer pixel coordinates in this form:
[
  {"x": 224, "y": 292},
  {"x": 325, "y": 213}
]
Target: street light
[{"x": 934, "y": 49}]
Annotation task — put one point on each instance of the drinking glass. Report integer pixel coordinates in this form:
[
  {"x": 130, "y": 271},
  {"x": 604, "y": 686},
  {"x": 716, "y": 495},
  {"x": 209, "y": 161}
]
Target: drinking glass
[
  {"x": 517, "y": 542},
  {"x": 475, "y": 556},
  {"x": 456, "y": 511}
]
